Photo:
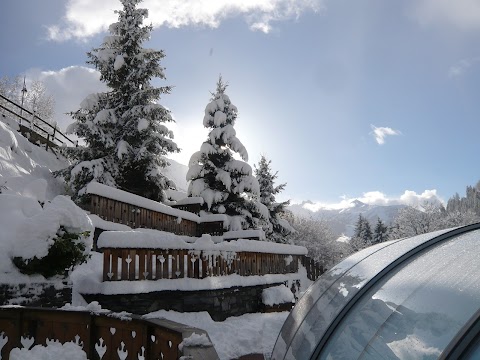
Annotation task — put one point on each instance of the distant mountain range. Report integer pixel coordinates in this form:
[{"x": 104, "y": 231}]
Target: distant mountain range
[{"x": 341, "y": 221}]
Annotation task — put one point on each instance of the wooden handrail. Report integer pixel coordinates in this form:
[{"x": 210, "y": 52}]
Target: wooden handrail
[
  {"x": 156, "y": 264},
  {"x": 97, "y": 334},
  {"x": 55, "y": 130}
]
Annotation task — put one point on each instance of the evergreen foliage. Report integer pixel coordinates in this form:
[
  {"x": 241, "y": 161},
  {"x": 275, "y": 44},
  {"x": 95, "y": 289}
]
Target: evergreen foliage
[
  {"x": 275, "y": 227},
  {"x": 225, "y": 184},
  {"x": 362, "y": 237},
  {"x": 126, "y": 140},
  {"x": 380, "y": 234},
  {"x": 66, "y": 252}
]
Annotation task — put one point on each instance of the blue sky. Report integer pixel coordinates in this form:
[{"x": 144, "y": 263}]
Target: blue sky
[{"x": 369, "y": 99}]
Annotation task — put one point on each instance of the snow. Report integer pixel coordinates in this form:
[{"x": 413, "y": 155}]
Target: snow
[
  {"x": 21, "y": 166},
  {"x": 94, "y": 307},
  {"x": 119, "y": 62},
  {"x": 276, "y": 295},
  {"x": 343, "y": 238},
  {"x": 236, "y": 336},
  {"x": 142, "y": 124},
  {"x": 89, "y": 102},
  {"x": 194, "y": 171},
  {"x": 105, "y": 115},
  {"x": 53, "y": 351},
  {"x": 122, "y": 148},
  {"x": 27, "y": 228},
  {"x": 107, "y": 225},
  {"x": 154, "y": 239},
  {"x": 219, "y": 118},
  {"x": 205, "y": 148},
  {"x": 7, "y": 138},
  {"x": 224, "y": 177},
  {"x": 195, "y": 340},
  {"x": 35, "y": 233}
]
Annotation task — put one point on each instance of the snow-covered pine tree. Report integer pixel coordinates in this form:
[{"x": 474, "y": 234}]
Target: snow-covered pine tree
[
  {"x": 226, "y": 184},
  {"x": 125, "y": 137},
  {"x": 362, "y": 237},
  {"x": 380, "y": 233},
  {"x": 275, "y": 227}
]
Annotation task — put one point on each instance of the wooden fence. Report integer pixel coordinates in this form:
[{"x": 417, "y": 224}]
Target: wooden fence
[
  {"x": 101, "y": 336},
  {"x": 52, "y": 137},
  {"x": 154, "y": 264},
  {"x": 138, "y": 217}
]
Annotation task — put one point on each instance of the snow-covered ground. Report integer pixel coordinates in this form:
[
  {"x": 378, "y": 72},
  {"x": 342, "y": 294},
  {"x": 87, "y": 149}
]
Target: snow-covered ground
[{"x": 25, "y": 182}]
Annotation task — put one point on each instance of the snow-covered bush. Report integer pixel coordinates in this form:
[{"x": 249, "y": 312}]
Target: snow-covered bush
[
  {"x": 67, "y": 251},
  {"x": 42, "y": 240}
]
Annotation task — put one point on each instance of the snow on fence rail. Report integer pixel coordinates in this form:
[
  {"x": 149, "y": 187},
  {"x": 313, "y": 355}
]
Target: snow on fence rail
[{"x": 102, "y": 336}]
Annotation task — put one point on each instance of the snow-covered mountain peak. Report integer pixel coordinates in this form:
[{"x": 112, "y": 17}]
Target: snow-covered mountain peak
[{"x": 358, "y": 204}]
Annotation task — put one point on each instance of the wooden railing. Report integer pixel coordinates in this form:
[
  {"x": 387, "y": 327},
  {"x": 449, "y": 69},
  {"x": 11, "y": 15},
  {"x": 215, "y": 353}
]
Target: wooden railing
[
  {"x": 155, "y": 264},
  {"x": 52, "y": 137},
  {"x": 138, "y": 217},
  {"x": 100, "y": 336}
]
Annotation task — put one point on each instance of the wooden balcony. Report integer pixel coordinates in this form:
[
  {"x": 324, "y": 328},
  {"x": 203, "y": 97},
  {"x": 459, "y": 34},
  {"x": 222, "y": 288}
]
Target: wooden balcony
[{"x": 102, "y": 336}]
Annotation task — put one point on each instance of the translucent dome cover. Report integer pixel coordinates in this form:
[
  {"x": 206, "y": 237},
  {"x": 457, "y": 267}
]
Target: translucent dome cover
[{"x": 402, "y": 299}]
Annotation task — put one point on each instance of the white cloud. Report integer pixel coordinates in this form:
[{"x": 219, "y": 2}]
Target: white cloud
[
  {"x": 69, "y": 86},
  {"x": 85, "y": 18},
  {"x": 409, "y": 197},
  {"x": 462, "y": 66},
  {"x": 413, "y": 199},
  {"x": 460, "y": 14},
  {"x": 381, "y": 132}
]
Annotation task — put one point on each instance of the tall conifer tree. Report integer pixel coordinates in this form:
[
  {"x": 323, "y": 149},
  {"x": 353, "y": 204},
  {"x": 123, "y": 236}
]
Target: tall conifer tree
[
  {"x": 226, "y": 184},
  {"x": 380, "y": 233},
  {"x": 362, "y": 237},
  {"x": 275, "y": 227},
  {"x": 125, "y": 137}
]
